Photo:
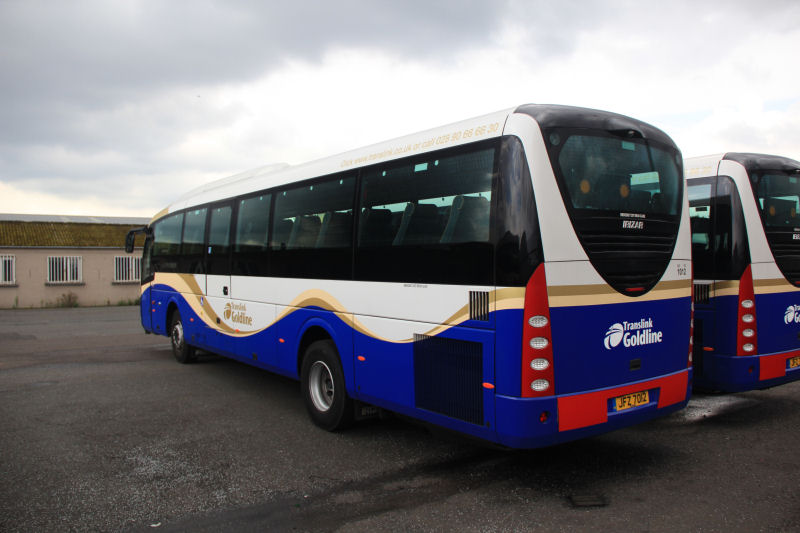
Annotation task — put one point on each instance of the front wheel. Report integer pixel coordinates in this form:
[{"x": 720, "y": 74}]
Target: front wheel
[
  {"x": 182, "y": 351},
  {"x": 322, "y": 381}
]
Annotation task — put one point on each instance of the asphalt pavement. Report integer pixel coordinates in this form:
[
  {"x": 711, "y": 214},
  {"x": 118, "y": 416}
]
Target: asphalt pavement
[{"x": 101, "y": 430}]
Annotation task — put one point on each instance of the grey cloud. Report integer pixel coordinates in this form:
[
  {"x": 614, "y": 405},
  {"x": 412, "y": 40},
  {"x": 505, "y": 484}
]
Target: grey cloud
[
  {"x": 87, "y": 50},
  {"x": 116, "y": 84},
  {"x": 93, "y": 75}
]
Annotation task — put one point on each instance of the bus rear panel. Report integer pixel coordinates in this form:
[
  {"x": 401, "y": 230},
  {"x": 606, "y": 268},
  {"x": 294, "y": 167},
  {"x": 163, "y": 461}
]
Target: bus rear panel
[{"x": 746, "y": 248}]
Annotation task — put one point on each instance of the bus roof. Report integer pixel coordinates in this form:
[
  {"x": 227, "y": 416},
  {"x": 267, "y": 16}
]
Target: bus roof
[
  {"x": 708, "y": 165},
  {"x": 455, "y": 134},
  {"x": 478, "y": 128},
  {"x": 581, "y": 117}
]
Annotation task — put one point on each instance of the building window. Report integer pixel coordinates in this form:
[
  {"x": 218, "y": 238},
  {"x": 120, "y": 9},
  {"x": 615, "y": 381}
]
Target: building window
[
  {"x": 8, "y": 274},
  {"x": 127, "y": 269},
  {"x": 64, "y": 269}
]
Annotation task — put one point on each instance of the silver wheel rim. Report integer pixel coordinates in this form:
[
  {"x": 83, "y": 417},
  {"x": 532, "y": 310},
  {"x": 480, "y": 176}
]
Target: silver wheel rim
[
  {"x": 320, "y": 385},
  {"x": 177, "y": 336}
]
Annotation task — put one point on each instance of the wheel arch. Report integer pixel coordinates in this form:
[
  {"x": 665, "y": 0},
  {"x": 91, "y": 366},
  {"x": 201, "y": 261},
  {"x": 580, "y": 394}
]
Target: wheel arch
[
  {"x": 315, "y": 329},
  {"x": 172, "y": 308}
]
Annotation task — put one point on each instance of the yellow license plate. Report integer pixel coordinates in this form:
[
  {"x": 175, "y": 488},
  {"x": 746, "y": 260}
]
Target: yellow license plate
[
  {"x": 631, "y": 400},
  {"x": 794, "y": 362}
]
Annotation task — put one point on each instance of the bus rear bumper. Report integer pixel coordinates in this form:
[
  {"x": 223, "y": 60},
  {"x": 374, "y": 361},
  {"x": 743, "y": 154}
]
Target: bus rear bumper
[
  {"x": 731, "y": 373},
  {"x": 537, "y": 422}
]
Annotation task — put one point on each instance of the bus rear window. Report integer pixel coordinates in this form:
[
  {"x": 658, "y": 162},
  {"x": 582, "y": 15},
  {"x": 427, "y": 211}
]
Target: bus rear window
[
  {"x": 778, "y": 197},
  {"x": 610, "y": 174}
]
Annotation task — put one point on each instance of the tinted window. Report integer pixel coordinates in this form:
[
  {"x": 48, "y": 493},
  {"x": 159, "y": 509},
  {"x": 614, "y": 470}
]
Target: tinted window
[
  {"x": 167, "y": 243},
  {"x": 700, "y": 195},
  {"x": 250, "y": 253},
  {"x": 194, "y": 233},
  {"x": 719, "y": 237},
  {"x": 607, "y": 173},
  {"x": 313, "y": 229},
  {"x": 778, "y": 197},
  {"x": 519, "y": 249},
  {"x": 427, "y": 219},
  {"x": 219, "y": 234}
]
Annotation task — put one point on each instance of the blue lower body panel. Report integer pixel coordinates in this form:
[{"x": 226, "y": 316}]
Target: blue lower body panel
[
  {"x": 731, "y": 373},
  {"x": 537, "y": 422}
]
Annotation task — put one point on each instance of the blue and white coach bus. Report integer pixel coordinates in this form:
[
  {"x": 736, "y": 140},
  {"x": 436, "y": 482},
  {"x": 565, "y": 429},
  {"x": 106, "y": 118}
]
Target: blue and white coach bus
[
  {"x": 522, "y": 277},
  {"x": 746, "y": 248}
]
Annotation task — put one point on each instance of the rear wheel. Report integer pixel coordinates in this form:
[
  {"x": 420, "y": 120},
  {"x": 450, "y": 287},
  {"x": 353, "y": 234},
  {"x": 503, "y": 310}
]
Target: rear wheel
[
  {"x": 322, "y": 381},
  {"x": 183, "y": 352}
]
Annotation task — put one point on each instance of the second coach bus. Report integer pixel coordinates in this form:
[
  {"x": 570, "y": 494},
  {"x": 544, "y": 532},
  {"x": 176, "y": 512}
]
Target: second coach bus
[
  {"x": 746, "y": 251},
  {"x": 522, "y": 277}
]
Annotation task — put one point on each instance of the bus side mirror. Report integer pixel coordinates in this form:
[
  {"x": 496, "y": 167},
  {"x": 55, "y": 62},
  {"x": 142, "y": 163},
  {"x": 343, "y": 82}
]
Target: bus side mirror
[{"x": 130, "y": 238}]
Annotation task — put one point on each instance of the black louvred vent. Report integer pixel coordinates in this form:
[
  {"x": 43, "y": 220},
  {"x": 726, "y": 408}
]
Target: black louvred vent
[
  {"x": 479, "y": 306},
  {"x": 448, "y": 377},
  {"x": 702, "y": 293}
]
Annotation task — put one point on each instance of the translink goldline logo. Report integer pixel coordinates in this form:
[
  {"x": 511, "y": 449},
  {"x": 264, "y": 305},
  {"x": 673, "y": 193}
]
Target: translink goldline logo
[
  {"x": 632, "y": 334},
  {"x": 237, "y": 313},
  {"x": 792, "y": 314}
]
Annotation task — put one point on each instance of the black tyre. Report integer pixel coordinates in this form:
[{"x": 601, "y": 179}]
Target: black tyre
[
  {"x": 324, "y": 393},
  {"x": 183, "y": 352}
]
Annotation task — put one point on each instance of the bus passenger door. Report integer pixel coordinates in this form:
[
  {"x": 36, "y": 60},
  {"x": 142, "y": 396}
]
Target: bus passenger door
[
  {"x": 218, "y": 278},
  {"x": 146, "y": 273}
]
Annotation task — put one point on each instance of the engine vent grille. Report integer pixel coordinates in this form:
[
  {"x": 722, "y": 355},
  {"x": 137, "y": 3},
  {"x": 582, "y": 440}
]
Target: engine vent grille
[
  {"x": 702, "y": 293},
  {"x": 448, "y": 377}
]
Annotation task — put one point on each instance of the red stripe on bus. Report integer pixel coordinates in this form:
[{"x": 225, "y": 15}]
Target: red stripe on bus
[
  {"x": 583, "y": 410},
  {"x": 774, "y": 366}
]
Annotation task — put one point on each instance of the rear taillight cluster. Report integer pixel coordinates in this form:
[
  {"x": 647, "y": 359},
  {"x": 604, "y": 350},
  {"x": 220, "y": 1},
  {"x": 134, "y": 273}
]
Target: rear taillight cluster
[
  {"x": 746, "y": 322},
  {"x": 537, "y": 346}
]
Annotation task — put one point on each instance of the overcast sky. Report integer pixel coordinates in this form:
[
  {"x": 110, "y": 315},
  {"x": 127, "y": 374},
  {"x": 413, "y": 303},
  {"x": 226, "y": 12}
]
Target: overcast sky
[{"x": 116, "y": 108}]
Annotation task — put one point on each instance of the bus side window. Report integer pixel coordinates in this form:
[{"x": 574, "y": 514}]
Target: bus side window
[
  {"x": 281, "y": 233},
  {"x": 167, "y": 243},
  {"x": 305, "y": 232},
  {"x": 702, "y": 226},
  {"x": 420, "y": 224},
  {"x": 519, "y": 243},
  {"x": 313, "y": 229},
  {"x": 219, "y": 236},
  {"x": 250, "y": 252},
  {"x": 426, "y": 219},
  {"x": 468, "y": 220},
  {"x": 336, "y": 230},
  {"x": 375, "y": 227},
  {"x": 194, "y": 231}
]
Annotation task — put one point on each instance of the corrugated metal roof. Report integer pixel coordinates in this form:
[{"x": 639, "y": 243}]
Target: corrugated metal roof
[{"x": 65, "y": 234}]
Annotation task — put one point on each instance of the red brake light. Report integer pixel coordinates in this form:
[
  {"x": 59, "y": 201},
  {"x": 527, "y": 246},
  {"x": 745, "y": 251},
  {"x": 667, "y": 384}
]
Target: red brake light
[
  {"x": 746, "y": 321},
  {"x": 537, "y": 347}
]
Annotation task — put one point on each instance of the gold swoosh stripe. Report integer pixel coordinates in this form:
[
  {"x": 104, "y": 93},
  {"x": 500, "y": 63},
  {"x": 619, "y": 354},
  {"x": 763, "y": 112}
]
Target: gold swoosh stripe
[
  {"x": 599, "y": 294},
  {"x": 773, "y": 285},
  {"x": 501, "y": 299}
]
